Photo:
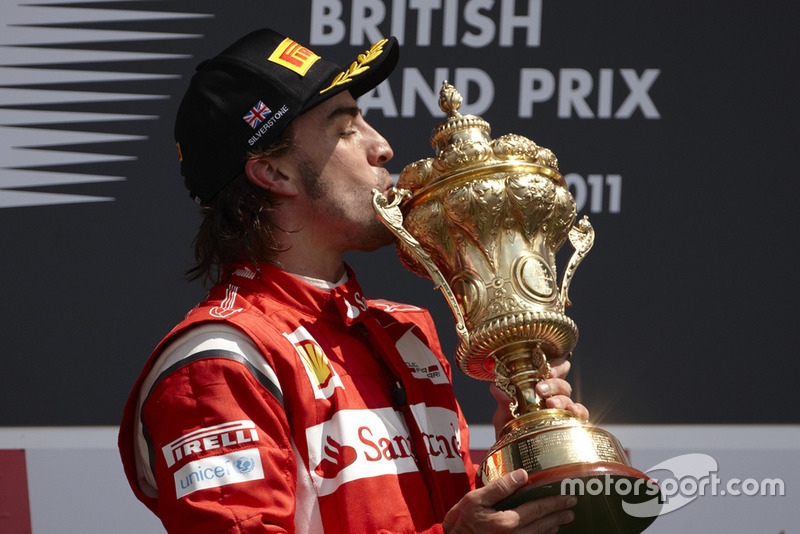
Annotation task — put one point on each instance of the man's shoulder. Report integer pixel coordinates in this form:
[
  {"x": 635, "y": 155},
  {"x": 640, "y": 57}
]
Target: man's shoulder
[
  {"x": 395, "y": 308},
  {"x": 404, "y": 314}
]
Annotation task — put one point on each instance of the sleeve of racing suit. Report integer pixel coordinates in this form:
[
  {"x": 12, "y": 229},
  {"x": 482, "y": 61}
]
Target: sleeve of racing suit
[{"x": 220, "y": 447}]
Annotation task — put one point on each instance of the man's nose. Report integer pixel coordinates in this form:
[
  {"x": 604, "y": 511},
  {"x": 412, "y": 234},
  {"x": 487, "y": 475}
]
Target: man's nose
[{"x": 380, "y": 151}]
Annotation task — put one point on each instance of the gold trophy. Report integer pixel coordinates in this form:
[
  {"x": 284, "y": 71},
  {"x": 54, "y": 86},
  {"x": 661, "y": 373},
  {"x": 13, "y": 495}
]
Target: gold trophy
[{"x": 484, "y": 220}]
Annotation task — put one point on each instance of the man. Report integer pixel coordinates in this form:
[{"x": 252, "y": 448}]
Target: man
[{"x": 287, "y": 401}]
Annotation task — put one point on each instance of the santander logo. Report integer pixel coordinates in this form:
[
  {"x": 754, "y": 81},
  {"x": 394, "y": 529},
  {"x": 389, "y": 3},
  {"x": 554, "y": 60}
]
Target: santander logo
[
  {"x": 337, "y": 457},
  {"x": 358, "y": 444}
]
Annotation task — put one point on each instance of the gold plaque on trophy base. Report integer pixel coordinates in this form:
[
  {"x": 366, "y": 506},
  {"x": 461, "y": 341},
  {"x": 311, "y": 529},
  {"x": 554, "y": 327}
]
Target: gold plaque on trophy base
[
  {"x": 564, "y": 455},
  {"x": 484, "y": 220}
]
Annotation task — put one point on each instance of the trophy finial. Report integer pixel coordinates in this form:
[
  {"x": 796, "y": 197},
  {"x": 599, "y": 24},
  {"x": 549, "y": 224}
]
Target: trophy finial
[
  {"x": 457, "y": 128},
  {"x": 450, "y": 99}
]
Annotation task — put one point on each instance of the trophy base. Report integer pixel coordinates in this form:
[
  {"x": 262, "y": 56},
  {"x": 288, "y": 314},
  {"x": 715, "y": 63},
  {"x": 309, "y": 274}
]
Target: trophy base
[
  {"x": 601, "y": 509},
  {"x": 566, "y": 456}
]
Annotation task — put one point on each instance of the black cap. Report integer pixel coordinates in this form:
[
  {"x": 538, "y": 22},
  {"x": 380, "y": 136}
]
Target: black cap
[{"x": 247, "y": 95}]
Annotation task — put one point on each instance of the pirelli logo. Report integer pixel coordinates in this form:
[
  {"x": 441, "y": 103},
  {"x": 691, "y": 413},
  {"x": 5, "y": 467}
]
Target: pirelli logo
[
  {"x": 208, "y": 439},
  {"x": 293, "y": 56}
]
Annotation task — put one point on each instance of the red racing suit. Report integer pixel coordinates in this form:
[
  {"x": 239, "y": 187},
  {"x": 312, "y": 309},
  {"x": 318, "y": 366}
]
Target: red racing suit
[{"x": 344, "y": 422}]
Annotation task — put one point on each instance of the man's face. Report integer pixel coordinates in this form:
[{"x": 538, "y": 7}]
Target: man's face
[{"x": 339, "y": 159}]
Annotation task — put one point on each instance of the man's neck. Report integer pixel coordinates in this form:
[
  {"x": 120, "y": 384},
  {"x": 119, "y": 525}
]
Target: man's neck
[
  {"x": 322, "y": 284},
  {"x": 301, "y": 261},
  {"x": 310, "y": 249}
]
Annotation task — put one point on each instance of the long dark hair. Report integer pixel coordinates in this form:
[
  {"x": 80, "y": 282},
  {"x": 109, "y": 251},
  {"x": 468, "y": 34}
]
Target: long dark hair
[{"x": 238, "y": 224}]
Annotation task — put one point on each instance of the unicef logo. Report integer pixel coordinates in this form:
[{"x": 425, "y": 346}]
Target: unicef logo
[{"x": 244, "y": 465}]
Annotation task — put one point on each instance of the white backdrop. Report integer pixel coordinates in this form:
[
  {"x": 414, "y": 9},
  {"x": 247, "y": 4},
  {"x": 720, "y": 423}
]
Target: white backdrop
[{"x": 76, "y": 484}]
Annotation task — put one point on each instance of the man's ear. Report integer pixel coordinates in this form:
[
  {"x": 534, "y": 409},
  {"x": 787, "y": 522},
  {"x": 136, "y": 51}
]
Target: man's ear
[{"x": 266, "y": 173}]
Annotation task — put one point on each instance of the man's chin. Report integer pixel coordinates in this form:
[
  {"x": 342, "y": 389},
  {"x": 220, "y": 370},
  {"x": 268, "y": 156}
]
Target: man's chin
[{"x": 380, "y": 238}]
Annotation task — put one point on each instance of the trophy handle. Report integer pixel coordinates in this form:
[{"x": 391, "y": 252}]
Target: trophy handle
[
  {"x": 389, "y": 213},
  {"x": 581, "y": 237}
]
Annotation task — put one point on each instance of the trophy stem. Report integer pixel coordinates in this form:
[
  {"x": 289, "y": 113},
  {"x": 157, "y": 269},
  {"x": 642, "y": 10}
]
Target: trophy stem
[{"x": 519, "y": 367}]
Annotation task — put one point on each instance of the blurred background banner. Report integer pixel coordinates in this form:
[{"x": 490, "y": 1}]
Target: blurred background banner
[{"x": 675, "y": 125}]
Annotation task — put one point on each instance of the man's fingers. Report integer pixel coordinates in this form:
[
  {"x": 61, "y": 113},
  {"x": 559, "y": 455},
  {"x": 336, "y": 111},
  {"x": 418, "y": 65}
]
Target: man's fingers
[
  {"x": 559, "y": 367},
  {"x": 553, "y": 386},
  {"x": 499, "y": 395},
  {"x": 579, "y": 409},
  {"x": 565, "y": 403},
  {"x": 557, "y": 392},
  {"x": 503, "y": 487},
  {"x": 475, "y": 512},
  {"x": 548, "y": 513}
]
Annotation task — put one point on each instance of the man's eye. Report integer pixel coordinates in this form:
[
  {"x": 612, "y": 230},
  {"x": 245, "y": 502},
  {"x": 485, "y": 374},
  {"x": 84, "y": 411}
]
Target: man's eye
[{"x": 348, "y": 132}]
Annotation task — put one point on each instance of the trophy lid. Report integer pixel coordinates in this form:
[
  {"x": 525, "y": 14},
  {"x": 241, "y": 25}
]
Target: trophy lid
[
  {"x": 457, "y": 128},
  {"x": 463, "y": 145}
]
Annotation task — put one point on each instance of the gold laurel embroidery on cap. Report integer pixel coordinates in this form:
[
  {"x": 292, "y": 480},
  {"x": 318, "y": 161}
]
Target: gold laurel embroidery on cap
[{"x": 358, "y": 66}]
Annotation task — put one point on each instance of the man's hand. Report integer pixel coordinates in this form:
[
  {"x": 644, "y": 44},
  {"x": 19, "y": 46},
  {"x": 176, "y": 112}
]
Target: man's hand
[
  {"x": 555, "y": 390},
  {"x": 474, "y": 513}
]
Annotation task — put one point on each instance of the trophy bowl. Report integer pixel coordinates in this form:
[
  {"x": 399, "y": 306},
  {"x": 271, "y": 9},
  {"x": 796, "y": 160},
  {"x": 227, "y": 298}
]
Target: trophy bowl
[{"x": 484, "y": 220}]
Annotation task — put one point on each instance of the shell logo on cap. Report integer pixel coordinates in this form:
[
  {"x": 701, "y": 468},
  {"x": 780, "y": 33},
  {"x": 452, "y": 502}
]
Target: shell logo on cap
[{"x": 293, "y": 56}]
